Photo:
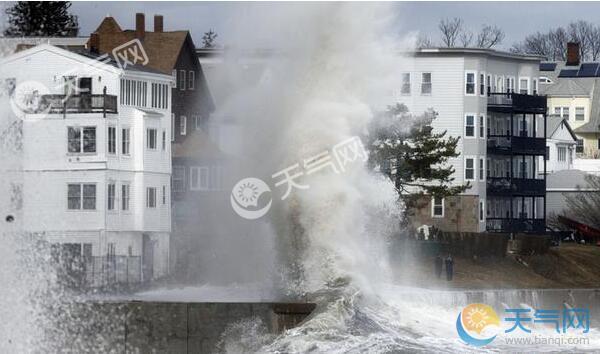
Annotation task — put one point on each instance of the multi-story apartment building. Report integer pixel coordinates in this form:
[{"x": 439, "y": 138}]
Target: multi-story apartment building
[
  {"x": 488, "y": 99},
  {"x": 96, "y": 161}
]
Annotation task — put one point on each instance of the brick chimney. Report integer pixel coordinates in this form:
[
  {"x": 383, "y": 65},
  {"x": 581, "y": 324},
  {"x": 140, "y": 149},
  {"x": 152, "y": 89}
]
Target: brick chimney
[
  {"x": 140, "y": 26},
  {"x": 94, "y": 43},
  {"x": 573, "y": 53},
  {"x": 158, "y": 23}
]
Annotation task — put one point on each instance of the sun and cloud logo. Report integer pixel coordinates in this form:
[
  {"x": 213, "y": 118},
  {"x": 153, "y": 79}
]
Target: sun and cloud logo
[
  {"x": 245, "y": 197},
  {"x": 478, "y": 324}
]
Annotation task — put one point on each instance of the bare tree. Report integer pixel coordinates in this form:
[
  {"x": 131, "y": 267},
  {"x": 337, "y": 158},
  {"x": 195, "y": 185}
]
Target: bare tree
[
  {"x": 537, "y": 44},
  {"x": 594, "y": 43},
  {"x": 450, "y": 30},
  {"x": 466, "y": 38},
  {"x": 489, "y": 37},
  {"x": 580, "y": 32},
  {"x": 424, "y": 42},
  {"x": 557, "y": 43},
  {"x": 585, "y": 207}
]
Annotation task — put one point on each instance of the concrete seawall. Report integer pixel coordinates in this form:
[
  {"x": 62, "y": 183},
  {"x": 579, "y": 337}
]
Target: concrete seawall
[{"x": 165, "y": 327}]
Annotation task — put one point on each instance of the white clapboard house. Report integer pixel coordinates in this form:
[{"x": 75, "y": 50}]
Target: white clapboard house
[{"x": 96, "y": 161}]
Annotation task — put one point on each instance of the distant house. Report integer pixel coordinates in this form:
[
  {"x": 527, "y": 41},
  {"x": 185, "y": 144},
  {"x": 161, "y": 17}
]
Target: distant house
[
  {"x": 573, "y": 90},
  {"x": 560, "y": 145}
]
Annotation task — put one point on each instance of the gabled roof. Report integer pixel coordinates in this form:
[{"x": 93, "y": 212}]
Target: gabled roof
[
  {"x": 9, "y": 45},
  {"x": 570, "y": 87},
  {"x": 553, "y": 122},
  {"x": 162, "y": 48},
  {"x": 83, "y": 57}
]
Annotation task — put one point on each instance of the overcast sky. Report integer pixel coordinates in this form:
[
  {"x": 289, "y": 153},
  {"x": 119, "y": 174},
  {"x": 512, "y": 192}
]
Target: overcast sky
[{"x": 516, "y": 18}]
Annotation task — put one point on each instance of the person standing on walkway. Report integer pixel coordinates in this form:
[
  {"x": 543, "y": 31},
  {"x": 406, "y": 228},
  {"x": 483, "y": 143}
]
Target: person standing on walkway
[
  {"x": 438, "y": 265},
  {"x": 449, "y": 267}
]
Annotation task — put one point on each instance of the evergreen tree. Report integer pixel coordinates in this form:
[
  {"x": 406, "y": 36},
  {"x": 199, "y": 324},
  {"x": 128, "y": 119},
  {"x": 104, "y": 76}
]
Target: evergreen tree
[
  {"x": 41, "y": 19},
  {"x": 209, "y": 38},
  {"x": 406, "y": 148}
]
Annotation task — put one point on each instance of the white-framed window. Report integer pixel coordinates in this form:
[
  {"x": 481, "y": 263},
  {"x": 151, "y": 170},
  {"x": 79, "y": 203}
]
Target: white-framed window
[
  {"x": 192, "y": 80},
  {"x": 470, "y": 125},
  {"x": 405, "y": 89},
  {"x": 81, "y": 196},
  {"x": 125, "y": 141},
  {"x": 134, "y": 93},
  {"x": 470, "y": 82},
  {"x": 482, "y": 126},
  {"x": 151, "y": 136},
  {"x": 469, "y": 169},
  {"x": 159, "y": 96},
  {"x": 164, "y": 140},
  {"x": 111, "y": 189},
  {"x": 481, "y": 210},
  {"x": 489, "y": 83},
  {"x": 524, "y": 85},
  {"x": 437, "y": 207},
  {"x": 579, "y": 113},
  {"x": 481, "y": 169},
  {"x": 182, "y": 80},
  {"x": 151, "y": 197},
  {"x": 426, "y": 84},
  {"x": 174, "y": 75},
  {"x": 172, "y": 127},
  {"x": 125, "y": 196},
  {"x": 164, "y": 195},
  {"x": 562, "y": 153},
  {"x": 182, "y": 125},
  {"x": 178, "y": 179},
  {"x": 535, "y": 86},
  {"x": 197, "y": 122},
  {"x": 579, "y": 146},
  {"x": 482, "y": 84},
  {"x": 112, "y": 140},
  {"x": 199, "y": 178},
  {"x": 81, "y": 140},
  {"x": 562, "y": 112}
]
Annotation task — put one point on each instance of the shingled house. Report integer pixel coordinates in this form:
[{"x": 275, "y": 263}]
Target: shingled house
[{"x": 170, "y": 52}]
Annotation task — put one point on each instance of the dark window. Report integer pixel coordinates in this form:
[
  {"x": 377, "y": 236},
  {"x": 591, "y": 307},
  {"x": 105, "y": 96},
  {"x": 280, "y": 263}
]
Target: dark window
[
  {"x": 547, "y": 157},
  {"x": 579, "y": 148}
]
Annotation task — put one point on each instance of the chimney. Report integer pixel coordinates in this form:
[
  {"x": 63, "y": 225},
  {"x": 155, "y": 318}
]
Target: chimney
[
  {"x": 140, "y": 26},
  {"x": 94, "y": 43},
  {"x": 158, "y": 23},
  {"x": 573, "y": 53}
]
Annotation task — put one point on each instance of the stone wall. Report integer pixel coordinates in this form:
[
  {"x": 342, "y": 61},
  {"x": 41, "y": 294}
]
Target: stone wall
[
  {"x": 164, "y": 327},
  {"x": 460, "y": 214}
]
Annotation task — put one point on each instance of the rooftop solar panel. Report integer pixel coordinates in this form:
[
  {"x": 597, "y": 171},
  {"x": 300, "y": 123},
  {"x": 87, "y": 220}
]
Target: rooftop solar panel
[
  {"x": 588, "y": 70},
  {"x": 568, "y": 73},
  {"x": 547, "y": 66}
]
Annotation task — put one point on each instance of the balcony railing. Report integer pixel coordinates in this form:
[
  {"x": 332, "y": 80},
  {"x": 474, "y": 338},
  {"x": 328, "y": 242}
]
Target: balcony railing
[
  {"x": 506, "y": 186},
  {"x": 517, "y": 102},
  {"x": 515, "y": 225},
  {"x": 507, "y": 145},
  {"x": 78, "y": 104}
]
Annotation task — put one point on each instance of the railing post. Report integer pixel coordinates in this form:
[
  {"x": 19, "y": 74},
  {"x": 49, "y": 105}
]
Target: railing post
[{"x": 104, "y": 102}]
